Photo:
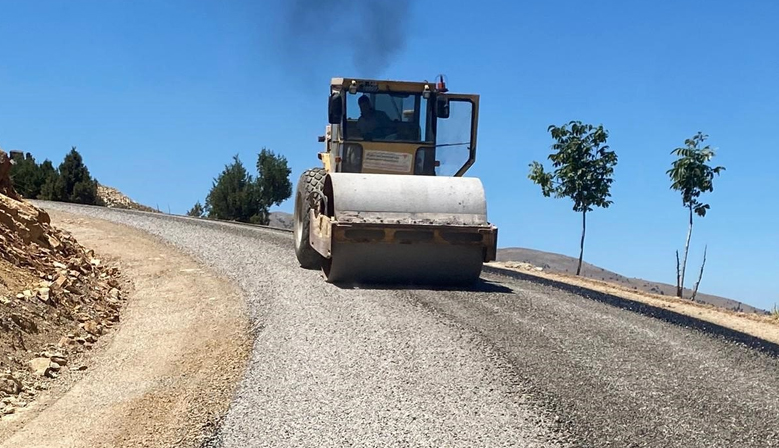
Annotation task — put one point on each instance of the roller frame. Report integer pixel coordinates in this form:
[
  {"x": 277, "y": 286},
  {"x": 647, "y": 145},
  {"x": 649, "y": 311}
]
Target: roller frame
[
  {"x": 324, "y": 231},
  {"x": 422, "y": 254}
]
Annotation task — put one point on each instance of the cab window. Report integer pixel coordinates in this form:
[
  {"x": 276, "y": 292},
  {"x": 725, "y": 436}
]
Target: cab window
[{"x": 388, "y": 117}]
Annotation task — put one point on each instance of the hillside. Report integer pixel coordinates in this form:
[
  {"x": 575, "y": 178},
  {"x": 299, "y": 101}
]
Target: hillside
[
  {"x": 281, "y": 219},
  {"x": 113, "y": 198},
  {"x": 567, "y": 265}
]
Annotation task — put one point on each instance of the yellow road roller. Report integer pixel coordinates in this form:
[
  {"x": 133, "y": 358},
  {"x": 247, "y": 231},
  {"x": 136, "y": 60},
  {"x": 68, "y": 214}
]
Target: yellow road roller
[{"x": 390, "y": 203}]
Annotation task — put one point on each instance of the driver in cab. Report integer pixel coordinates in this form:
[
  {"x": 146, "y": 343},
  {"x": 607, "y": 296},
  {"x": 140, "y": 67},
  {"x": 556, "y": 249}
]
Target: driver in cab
[{"x": 372, "y": 123}]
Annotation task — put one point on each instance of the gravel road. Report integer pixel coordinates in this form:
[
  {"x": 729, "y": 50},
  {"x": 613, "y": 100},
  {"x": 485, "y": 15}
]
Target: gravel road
[{"x": 509, "y": 363}]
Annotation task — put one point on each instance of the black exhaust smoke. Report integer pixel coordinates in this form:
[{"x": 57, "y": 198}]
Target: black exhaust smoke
[{"x": 371, "y": 32}]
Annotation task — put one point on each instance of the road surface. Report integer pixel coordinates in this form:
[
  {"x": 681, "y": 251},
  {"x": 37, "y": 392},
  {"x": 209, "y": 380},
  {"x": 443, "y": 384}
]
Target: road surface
[{"x": 510, "y": 362}]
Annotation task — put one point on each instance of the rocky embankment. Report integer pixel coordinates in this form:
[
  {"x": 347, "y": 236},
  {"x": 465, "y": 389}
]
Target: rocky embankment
[
  {"x": 56, "y": 298},
  {"x": 113, "y": 198}
]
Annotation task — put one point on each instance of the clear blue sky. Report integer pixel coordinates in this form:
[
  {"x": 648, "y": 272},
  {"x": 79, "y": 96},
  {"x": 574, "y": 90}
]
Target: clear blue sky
[{"x": 158, "y": 95}]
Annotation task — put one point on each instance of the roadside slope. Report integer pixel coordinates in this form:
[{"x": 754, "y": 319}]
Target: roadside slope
[
  {"x": 56, "y": 299},
  {"x": 565, "y": 265},
  {"x": 167, "y": 375},
  {"x": 761, "y": 326}
]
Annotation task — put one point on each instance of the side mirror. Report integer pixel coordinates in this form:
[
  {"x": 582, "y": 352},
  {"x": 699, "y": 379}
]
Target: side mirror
[
  {"x": 335, "y": 109},
  {"x": 442, "y": 107}
]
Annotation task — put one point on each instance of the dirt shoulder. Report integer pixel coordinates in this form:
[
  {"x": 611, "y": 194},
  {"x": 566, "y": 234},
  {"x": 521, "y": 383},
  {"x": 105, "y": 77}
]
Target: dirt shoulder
[
  {"x": 165, "y": 375},
  {"x": 759, "y": 326}
]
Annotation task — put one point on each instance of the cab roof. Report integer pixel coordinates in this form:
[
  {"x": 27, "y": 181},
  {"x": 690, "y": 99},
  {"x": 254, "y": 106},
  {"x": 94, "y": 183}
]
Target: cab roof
[{"x": 381, "y": 85}]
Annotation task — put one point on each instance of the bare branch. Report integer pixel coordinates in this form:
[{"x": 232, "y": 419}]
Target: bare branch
[
  {"x": 695, "y": 291},
  {"x": 678, "y": 277}
]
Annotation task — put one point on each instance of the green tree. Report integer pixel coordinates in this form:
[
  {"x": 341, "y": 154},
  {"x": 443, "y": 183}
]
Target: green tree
[
  {"x": 237, "y": 195},
  {"x": 75, "y": 184},
  {"x": 49, "y": 175},
  {"x": 583, "y": 170},
  {"x": 234, "y": 195},
  {"x": 26, "y": 176},
  {"x": 691, "y": 176},
  {"x": 273, "y": 181},
  {"x": 197, "y": 210}
]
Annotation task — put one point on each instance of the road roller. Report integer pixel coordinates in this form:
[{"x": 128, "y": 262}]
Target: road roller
[{"x": 390, "y": 202}]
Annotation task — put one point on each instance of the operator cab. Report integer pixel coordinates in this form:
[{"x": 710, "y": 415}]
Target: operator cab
[{"x": 392, "y": 127}]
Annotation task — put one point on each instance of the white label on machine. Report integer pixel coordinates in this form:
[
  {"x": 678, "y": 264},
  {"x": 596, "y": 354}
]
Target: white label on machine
[{"x": 387, "y": 161}]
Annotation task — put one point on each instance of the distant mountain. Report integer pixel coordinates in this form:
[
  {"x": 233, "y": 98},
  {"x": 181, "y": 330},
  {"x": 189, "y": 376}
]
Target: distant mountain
[
  {"x": 281, "y": 219},
  {"x": 564, "y": 264}
]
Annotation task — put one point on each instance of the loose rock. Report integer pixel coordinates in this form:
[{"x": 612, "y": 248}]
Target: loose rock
[
  {"x": 92, "y": 327},
  {"x": 39, "y": 366},
  {"x": 59, "y": 359},
  {"x": 10, "y": 385},
  {"x": 44, "y": 294}
]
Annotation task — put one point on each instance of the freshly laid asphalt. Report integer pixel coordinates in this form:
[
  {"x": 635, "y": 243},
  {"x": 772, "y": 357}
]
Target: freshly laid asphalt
[{"x": 510, "y": 362}]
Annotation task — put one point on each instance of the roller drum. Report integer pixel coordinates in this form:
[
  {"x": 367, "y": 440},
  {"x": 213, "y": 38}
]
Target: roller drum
[
  {"x": 391, "y": 203},
  {"x": 398, "y": 199}
]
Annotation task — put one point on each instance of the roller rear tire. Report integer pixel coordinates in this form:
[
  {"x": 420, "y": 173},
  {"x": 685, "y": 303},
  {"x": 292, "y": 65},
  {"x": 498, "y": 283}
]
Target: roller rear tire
[{"x": 310, "y": 182}]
